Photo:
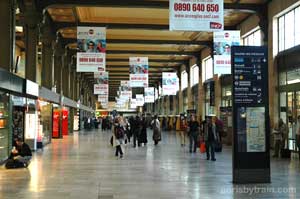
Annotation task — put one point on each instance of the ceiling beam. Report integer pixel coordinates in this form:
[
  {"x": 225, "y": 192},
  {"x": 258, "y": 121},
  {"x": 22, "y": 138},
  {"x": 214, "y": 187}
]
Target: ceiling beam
[
  {"x": 67, "y": 41},
  {"x": 152, "y": 52},
  {"x": 150, "y": 60},
  {"x": 245, "y": 7}
]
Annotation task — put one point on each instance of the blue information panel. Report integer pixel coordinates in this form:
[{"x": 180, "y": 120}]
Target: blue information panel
[{"x": 251, "y": 159}]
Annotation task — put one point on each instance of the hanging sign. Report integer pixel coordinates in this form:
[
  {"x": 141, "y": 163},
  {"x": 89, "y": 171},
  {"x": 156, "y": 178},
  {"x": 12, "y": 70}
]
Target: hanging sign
[
  {"x": 101, "y": 77},
  {"x": 139, "y": 99},
  {"x": 169, "y": 83},
  {"x": 138, "y": 71},
  {"x": 223, "y": 41},
  {"x": 91, "y": 43},
  {"x": 198, "y": 15},
  {"x": 149, "y": 95},
  {"x": 101, "y": 89},
  {"x": 133, "y": 104}
]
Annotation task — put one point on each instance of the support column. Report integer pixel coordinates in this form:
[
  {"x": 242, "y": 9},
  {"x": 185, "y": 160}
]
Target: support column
[
  {"x": 7, "y": 33},
  {"x": 58, "y": 67},
  {"x": 66, "y": 74},
  {"x": 31, "y": 30},
  {"x": 218, "y": 95},
  {"x": 47, "y": 58}
]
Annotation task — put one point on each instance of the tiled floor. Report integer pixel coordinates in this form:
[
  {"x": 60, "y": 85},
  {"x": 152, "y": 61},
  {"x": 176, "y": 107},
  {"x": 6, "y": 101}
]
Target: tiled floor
[{"x": 83, "y": 166}]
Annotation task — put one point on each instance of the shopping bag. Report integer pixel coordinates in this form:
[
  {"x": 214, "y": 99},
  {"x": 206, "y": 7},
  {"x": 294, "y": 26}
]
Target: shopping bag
[{"x": 202, "y": 147}]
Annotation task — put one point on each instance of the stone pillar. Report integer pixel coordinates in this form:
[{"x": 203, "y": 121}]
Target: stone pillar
[
  {"x": 47, "y": 58},
  {"x": 66, "y": 74},
  {"x": 218, "y": 95},
  {"x": 201, "y": 96},
  {"x": 7, "y": 33},
  {"x": 59, "y": 51},
  {"x": 31, "y": 31}
]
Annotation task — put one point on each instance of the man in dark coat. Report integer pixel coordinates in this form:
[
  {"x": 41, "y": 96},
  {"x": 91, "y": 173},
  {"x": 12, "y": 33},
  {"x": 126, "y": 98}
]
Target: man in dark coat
[{"x": 20, "y": 155}]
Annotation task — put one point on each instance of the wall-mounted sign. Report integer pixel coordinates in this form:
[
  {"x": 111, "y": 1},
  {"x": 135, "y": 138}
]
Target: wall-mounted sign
[
  {"x": 91, "y": 43},
  {"x": 32, "y": 88},
  {"x": 223, "y": 41},
  {"x": 138, "y": 71},
  {"x": 198, "y": 15}
]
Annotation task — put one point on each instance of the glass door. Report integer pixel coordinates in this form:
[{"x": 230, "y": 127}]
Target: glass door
[{"x": 293, "y": 109}]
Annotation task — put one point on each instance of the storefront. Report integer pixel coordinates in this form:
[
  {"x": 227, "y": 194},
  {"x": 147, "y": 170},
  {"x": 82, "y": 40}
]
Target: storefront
[
  {"x": 10, "y": 84},
  {"x": 288, "y": 63},
  {"x": 45, "y": 123},
  {"x": 4, "y": 126}
]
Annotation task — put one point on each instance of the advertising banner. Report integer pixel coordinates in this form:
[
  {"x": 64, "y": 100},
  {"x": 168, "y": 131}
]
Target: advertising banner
[
  {"x": 169, "y": 83},
  {"x": 133, "y": 103},
  {"x": 102, "y": 98},
  {"x": 101, "y": 77},
  {"x": 91, "y": 43},
  {"x": 155, "y": 94},
  {"x": 138, "y": 71},
  {"x": 101, "y": 89},
  {"x": 125, "y": 86},
  {"x": 126, "y": 95},
  {"x": 223, "y": 41},
  {"x": 149, "y": 95},
  {"x": 139, "y": 99},
  {"x": 204, "y": 15}
]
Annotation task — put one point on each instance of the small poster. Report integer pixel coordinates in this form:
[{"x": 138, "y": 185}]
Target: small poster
[
  {"x": 139, "y": 99},
  {"x": 133, "y": 104},
  {"x": 103, "y": 98},
  {"x": 223, "y": 41},
  {"x": 197, "y": 15},
  {"x": 138, "y": 71},
  {"x": 169, "y": 83},
  {"x": 91, "y": 43},
  {"x": 255, "y": 129},
  {"x": 101, "y": 77},
  {"x": 149, "y": 95},
  {"x": 101, "y": 89}
]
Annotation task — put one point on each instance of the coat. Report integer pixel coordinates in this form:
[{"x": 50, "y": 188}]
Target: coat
[{"x": 214, "y": 130}]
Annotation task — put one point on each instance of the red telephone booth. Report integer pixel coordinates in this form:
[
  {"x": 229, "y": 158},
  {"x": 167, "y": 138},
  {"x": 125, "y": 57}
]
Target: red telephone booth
[{"x": 55, "y": 130}]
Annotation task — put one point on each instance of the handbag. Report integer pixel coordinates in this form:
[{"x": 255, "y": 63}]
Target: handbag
[{"x": 202, "y": 147}]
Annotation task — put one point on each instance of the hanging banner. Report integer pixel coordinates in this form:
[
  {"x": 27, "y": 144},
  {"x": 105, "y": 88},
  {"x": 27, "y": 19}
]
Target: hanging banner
[
  {"x": 155, "y": 94},
  {"x": 223, "y": 41},
  {"x": 102, "y": 98},
  {"x": 101, "y": 89},
  {"x": 101, "y": 78},
  {"x": 139, "y": 99},
  {"x": 133, "y": 103},
  {"x": 198, "y": 15},
  {"x": 91, "y": 43},
  {"x": 126, "y": 94},
  {"x": 149, "y": 95},
  {"x": 138, "y": 71},
  {"x": 169, "y": 83},
  {"x": 125, "y": 86}
]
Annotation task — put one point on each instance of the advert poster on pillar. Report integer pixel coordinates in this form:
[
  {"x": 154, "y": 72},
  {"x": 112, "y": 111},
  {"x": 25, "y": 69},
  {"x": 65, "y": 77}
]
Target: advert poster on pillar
[
  {"x": 91, "y": 43},
  {"x": 196, "y": 15},
  {"x": 223, "y": 41}
]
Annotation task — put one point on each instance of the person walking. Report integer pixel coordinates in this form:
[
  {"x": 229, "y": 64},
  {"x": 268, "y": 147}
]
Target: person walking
[
  {"x": 183, "y": 128},
  {"x": 119, "y": 136},
  {"x": 143, "y": 135},
  {"x": 136, "y": 131},
  {"x": 211, "y": 138},
  {"x": 193, "y": 132},
  {"x": 298, "y": 135},
  {"x": 156, "y": 130},
  {"x": 280, "y": 136}
]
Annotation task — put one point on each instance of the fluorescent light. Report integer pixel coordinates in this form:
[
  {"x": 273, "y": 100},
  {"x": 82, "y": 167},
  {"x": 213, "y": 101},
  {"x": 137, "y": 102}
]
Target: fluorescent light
[
  {"x": 293, "y": 81},
  {"x": 19, "y": 28}
]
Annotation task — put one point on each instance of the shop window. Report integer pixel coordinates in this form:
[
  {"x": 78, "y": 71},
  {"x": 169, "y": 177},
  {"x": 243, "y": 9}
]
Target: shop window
[
  {"x": 293, "y": 76},
  {"x": 288, "y": 29},
  {"x": 207, "y": 69},
  {"x": 282, "y": 78},
  {"x": 184, "y": 80},
  {"x": 194, "y": 78},
  {"x": 253, "y": 38}
]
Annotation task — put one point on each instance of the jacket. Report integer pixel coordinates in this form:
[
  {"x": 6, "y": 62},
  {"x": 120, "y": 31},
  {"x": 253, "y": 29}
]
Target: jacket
[{"x": 215, "y": 134}]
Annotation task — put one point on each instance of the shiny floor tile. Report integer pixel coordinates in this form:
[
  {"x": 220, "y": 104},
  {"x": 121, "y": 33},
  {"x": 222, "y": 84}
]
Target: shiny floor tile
[{"x": 83, "y": 166}]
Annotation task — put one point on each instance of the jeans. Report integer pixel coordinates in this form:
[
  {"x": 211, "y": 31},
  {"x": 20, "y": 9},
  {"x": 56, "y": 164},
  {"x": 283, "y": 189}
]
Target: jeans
[
  {"x": 182, "y": 137},
  {"x": 278, "y": 146},
  {"x": 119, "y": 150},
  {"x": 193, "y": 140},
  {"x": 210, "y": 145},
  {"x": 136, "y": 139}
]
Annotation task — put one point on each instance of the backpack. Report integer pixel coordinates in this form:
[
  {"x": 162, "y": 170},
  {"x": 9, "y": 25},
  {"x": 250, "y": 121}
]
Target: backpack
[{"x": 119, "y": 132}]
